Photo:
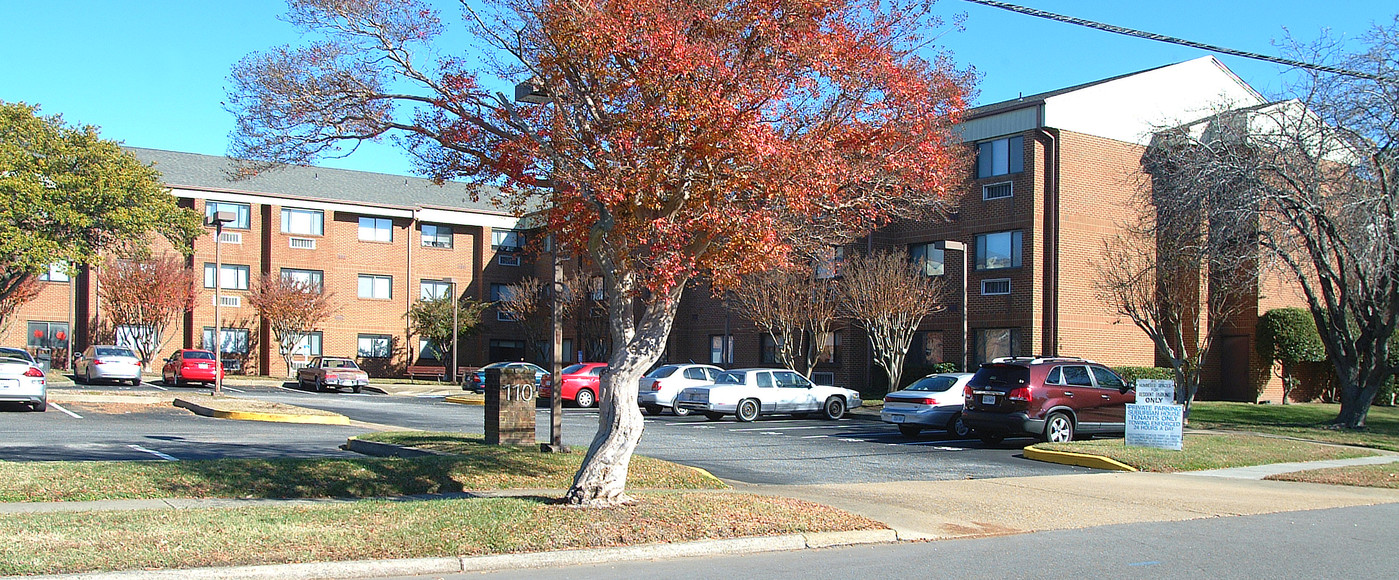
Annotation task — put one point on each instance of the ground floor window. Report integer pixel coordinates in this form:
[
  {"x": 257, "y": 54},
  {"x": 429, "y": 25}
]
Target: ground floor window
[
  {"x": 231, "y": 340},
  {"x": 309, "y": 345},
  {"x": 768, "y": 347},
  {"x": 47, "y": 335},
  {"x": 928, "y": 347},
  {"x": 992, "y": 343},
  {"x": 828, "y": 345},
  {"x": 375, "y": 346},
  {"x": 721, "y": 349},
  {"x": 507, "y": 350}
]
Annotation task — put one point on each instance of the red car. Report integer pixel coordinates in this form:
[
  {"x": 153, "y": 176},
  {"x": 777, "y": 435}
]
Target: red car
[
  {"x": 189, "y": 366},
  {"x": 580, "y": 384}
]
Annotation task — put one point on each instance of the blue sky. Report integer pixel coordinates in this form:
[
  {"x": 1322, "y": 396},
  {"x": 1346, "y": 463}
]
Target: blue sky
[{"x": 152, "y": 73}]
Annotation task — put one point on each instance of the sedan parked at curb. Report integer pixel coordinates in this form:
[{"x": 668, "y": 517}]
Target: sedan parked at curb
[
  {"x": 332, "y": 373},
  {"x": 932, "y": 402},
  {"x": 476, "y": 381},
  {"x": 580, "y": 384},
  {"x": 748, "y": 393},
  {"x": 659, "y": 387},
  {"x": 189, "y": 365},
  {"x": 107, "y": 363},
  {"x": 21, "y": 381}
]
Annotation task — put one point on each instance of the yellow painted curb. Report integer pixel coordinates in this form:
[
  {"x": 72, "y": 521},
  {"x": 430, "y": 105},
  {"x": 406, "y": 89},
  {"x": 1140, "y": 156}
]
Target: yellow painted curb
[
  {"x": 330, "y": 419},
  {"x": 1079, "y": 459},
  {"x": 465, "y": 400}
]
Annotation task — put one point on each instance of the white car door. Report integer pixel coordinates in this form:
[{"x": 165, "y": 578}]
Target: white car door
[
  {"x": 767, "y": 392},
  {"x": 796, "y": 393}
]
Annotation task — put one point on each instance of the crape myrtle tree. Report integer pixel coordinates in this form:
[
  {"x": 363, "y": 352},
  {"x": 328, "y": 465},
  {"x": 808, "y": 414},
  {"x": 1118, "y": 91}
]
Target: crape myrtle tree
[
  {"x": 1317, "y": 175},
  {"x": 888, "y": 296},
  {"x": 527, "y": 302},
  {"x": 673, "y": 139},
  {"x": 792, "y": 305},
  {"x": 435, "y": 318},
  {"x": 291, "y": 309},
  {"x": 69, "y": 194},
  {"x": 142, "y": 296}
]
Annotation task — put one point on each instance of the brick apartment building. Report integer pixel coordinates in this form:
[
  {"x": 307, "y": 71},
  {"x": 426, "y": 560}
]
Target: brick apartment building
[
  {"x": 1054, "y": 176},
  {"x": 378, "y": 242}
]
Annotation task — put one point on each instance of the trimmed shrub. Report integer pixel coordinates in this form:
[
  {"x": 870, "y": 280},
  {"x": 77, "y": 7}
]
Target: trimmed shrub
[
  {"x": 1289, "y": 336},
  {"x": 1131, "y": 374}
]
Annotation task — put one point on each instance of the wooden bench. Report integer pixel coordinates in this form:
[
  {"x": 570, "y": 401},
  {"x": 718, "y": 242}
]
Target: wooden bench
[{"x": 438, "y": 371}]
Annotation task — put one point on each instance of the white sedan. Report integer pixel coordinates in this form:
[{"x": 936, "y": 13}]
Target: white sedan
[
  {"x": 655, "y": 394},
  {"x": 747, "y": 393},
  {"x": 22, "y": 382}
]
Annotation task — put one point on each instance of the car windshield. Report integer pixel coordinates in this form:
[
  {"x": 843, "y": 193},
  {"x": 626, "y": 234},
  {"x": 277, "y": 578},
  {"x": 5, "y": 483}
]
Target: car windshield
[
  {"x": 933, "y": 384},
  {"x": 198, "y": 355},
  {"x": 115, "y": 351},
  {"x": 662, "y": 372},
  {"x": 994, "y": 375},
  {"x": 572, "y": 369},
  {"x": 730, "y": 378},
  {"x": 339, "y": 363},
  {"x": 15, "y": 353}
]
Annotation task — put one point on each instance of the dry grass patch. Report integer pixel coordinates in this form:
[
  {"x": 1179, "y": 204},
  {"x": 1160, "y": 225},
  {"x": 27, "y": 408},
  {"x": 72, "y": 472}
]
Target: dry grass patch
[
  {"x": 1210, "y": 451},
  {"x": 1382, "y": 475},
  {"x": 52, "y": 543},
  {"x": 240, "y": 405}
]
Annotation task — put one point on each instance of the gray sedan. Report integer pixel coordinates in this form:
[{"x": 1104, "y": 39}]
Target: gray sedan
[{"x": 932, "y": 402}]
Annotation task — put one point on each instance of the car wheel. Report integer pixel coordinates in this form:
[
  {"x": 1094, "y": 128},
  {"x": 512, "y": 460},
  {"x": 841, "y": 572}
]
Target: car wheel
[
  {"x": 1058, "y": 428},
  {"x": 910, "y": 430},
  {"x": 136, "y": 382},
  {"x": 87, "y": 376},
  {"x": 958, "y": 428},
  {"x": 320, "y": 386},
  {"x": 833, "y": 409},
  {"x": 712, "y": 416},
  {"x": 652, "y": 410},
  {"x": 585, "y": 398},
  {"x": 356, "y": 388},
  {"x": 40, "y": 406},
  {"x": 991, "y": 438},
  {"x": 747, "y": 410},
  {"x": 680, "y": 411}
]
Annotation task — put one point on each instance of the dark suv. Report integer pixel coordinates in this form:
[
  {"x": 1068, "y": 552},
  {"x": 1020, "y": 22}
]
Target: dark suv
[{"x": 1054, "y": 399}]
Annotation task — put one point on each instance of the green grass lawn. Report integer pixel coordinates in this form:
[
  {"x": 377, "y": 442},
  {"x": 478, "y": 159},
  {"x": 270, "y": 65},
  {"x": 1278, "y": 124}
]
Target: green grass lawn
[
  {"x": 476, "y": 466},
  {"x": 1304, "y": 420},
  {"x": 50, "y": 543},
  {"x": 1210, "y": 451}
]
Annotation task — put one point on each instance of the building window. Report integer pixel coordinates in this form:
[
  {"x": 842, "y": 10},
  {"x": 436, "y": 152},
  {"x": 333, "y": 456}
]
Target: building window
[
  {"x": 998, "y": 250},
  {"x": 47, "y": 335},
  {"x": 435, "y": 289},
  {"x": 768, "y": 346},
  {"x": 309, "y": 345},
  {"x": 56, "y": 272},
  {"x": 314, "y": 279},
  {"x": 828, "y": 344},
  {"x": 375, "y": 229},
  {"x": 721, "y": 349},
  {"x": 435, "y": 236},
  {"x": 303, "y": 222},
  {"x": 996, "y": 287},
  {"x": 231, "y": 340},
  {"x": 241, "y": 211},
  {"x": 231, "y": 276},
  {"x": 830, "y": 262},
  {"x": 375, "y": 345},
  {"x": 1000, "y": 157},
  {"x": 997, "y": 191},
  {"x": 375, "y": 287},
  {"x": 506, "y": 240},
  {"x": 929, "y": 345},
  {"x": 993, "y": 343},
  {"x": 928, "y": 259}
]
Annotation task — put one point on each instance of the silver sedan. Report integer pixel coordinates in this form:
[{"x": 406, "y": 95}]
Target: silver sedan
[
  {"x": 932, "y": 402},
  {"x": 107, "y": 363}
]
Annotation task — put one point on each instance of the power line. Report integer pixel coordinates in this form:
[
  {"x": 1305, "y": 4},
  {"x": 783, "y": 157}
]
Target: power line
[{"x": 1181, "y": 41}]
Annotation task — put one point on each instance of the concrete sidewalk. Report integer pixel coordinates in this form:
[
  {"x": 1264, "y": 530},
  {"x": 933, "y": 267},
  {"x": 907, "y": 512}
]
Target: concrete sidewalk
[{"x": 1262, "y": 471}]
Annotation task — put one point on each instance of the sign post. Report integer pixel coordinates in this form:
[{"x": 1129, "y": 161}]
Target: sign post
[{"x": 1155, "y": 420}]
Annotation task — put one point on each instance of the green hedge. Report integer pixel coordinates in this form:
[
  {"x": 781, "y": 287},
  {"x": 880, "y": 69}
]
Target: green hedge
[{"x": 1131, "y": 374}]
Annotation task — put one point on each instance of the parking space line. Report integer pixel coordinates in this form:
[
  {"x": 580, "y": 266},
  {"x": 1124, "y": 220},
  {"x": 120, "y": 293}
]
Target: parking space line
[
  {"x": 789, "y": 428},
  {"x": 771, "y": 433},
  {"x": 70, "y": 413},
  {"x": 816, "y": 437},
  {"x": 153, "y": 452},
  {"x": 228, "y": 388},
  {"x": 157, "y": 386}
]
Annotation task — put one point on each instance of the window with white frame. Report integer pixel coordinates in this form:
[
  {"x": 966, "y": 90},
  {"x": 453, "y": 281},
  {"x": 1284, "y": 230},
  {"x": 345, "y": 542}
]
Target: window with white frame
[
  {"x": 303, "y": 222},
  {"x": 435, "y": 289},
  {"x": 230, "y": 276},
  {"x": 996, "y": 287},
  {"x": 56, "y": 272},
  {"x": 231, "y": 340},
  {"x": 308, "y": 345},
  {"x": 998, "y": 250},
  {"x": 314, "y": 279},
  {"x": 927, "y": 258},
  {"x": 372, "y": 229},
  {"x": 375, "y": 286},
  {"x": 375, "y": 346},
  {"x": 242, "y": 213},
  {"x": 1000, "y": 157},
  {"x": 435, "y": 236},
  {"x": 507, "y": 240}
]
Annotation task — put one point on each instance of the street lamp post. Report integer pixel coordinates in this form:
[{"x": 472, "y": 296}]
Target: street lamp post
[
  {"x": 456, "y": 305},
  {"x": 218, "y": 219},
  {"x": 960, "y": 247}
]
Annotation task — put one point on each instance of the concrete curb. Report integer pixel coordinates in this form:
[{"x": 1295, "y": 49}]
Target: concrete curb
[
  {"x": 377, "y": 449},
  {"x": 465, "y": 400},
  {"x": 1079, "y": 459},
  {"x": 330, "y": 419},
  {"x": 496, "y": 562}
]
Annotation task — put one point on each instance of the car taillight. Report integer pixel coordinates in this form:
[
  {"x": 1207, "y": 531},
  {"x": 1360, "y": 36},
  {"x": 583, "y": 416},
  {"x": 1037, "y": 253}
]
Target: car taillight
[
  {"x": 967, "y": 391},
  {"x": 98, "y": 361},
  {"x": 655, "y": 385},
  {"x": 1020, "y": 394},
  {"x": 33, "y": 372}
]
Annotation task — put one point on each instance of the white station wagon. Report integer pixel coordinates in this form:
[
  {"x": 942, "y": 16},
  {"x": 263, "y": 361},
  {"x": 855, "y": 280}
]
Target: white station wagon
[{"x": 747, "y": 393}]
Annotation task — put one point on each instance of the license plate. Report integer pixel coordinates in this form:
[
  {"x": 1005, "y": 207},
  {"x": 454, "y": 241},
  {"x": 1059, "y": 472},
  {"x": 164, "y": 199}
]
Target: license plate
[
  {"x": 7, "y": 383},
  {"x": 896, "y": 418},
  {"x": 988, "y": 399},
  {"x": 204, "y": 366}
]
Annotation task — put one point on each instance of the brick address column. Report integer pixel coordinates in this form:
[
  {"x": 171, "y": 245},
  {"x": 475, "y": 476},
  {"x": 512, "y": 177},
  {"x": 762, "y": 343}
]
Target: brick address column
[{"x": 510, "y": 407}]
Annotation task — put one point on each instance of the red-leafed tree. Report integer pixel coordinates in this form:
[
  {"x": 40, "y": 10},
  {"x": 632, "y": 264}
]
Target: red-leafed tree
[
  {"x": 142, "y": 296},
  {"x": 291, "y": 309},
  {"x": 673, "y": 139}
]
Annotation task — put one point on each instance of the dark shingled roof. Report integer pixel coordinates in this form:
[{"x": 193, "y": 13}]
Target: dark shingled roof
[{"x": 196, "y": 171}]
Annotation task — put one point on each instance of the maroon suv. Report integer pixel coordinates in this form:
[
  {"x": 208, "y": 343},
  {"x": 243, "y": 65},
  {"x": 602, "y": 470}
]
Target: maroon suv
[{"x": 1055, "y": 399}]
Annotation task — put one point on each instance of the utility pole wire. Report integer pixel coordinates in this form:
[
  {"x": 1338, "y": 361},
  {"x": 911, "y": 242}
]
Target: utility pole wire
[{"x": 1180, "y": 41}]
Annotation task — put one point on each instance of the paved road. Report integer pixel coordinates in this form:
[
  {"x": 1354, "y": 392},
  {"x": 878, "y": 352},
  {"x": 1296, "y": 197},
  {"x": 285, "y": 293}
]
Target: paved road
[
  {"x": 779, "y": 450},
  {"x": 1333, "y": 543}
]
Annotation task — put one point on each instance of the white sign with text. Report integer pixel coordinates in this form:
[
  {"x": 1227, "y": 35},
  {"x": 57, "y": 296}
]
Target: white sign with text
[
  {"x": 1156, "y": 392},
  {"x": 1157, "y": 426}
]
